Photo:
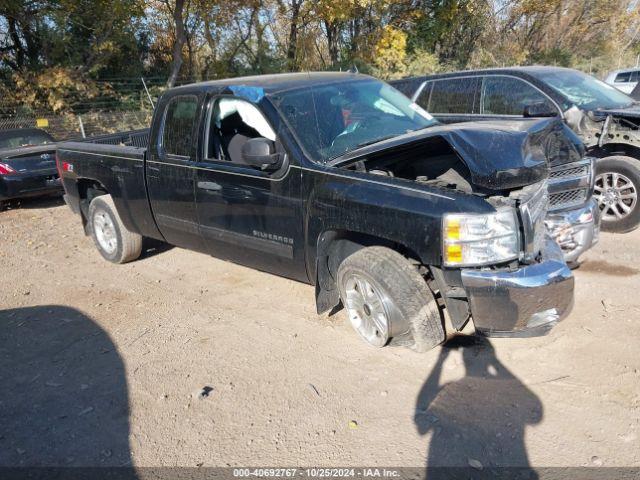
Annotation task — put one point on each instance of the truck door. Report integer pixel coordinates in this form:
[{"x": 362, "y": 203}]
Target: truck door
[
  {"x": 171, "y": 173},
  {"x": 247, "y": 215}
]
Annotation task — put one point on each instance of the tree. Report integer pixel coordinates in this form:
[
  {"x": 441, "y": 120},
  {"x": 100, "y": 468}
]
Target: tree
[{"x": 177, "y": 11}]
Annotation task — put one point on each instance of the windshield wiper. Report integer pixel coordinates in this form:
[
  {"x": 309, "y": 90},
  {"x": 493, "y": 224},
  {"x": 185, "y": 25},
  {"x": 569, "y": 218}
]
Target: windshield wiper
[
  {"x": 435, "y": 123},
  {"x": 359, "y": 146},
  {"x": 371, "y": 142}
]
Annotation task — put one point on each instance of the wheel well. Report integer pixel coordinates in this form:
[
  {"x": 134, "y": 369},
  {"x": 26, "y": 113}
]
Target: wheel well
[
  {"x": 335, "y": 242},
  {"x": 333, "y": 247},
  {"x": 87, "y": 191},
  {"x": 616, "y": 149}
]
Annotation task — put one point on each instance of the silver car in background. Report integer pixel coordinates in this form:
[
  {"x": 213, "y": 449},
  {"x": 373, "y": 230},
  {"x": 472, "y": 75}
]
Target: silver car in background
[{"x": 624, "y": 80}]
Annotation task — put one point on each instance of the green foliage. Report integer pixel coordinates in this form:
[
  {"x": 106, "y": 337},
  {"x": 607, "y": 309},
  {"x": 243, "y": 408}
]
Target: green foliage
[
  {"x": 57, "y": 89},
  {"x": 555, "y": 56},
  {"x": 57, "y": 54}
]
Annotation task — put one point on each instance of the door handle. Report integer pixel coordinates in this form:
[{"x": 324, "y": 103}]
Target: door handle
[{"x": 213, "y": 186}]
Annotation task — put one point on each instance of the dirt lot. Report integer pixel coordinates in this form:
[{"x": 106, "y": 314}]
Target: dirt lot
[{"x": 181, "y": 359}]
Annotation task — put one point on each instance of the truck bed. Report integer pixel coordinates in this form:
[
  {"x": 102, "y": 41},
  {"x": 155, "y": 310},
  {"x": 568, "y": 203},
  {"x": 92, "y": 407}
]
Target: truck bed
[
  {"x": 131, "y": 144},
  {"x": 114, "y": 163},
  {"x": 132, "y": 138}
]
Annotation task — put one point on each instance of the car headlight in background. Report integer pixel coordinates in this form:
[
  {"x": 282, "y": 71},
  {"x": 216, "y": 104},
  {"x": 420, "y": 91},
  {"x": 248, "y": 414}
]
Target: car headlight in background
[{"x": 474, "y": 240}]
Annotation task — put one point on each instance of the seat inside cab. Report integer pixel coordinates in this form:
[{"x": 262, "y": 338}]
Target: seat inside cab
[{"x": 232, "y": 123}]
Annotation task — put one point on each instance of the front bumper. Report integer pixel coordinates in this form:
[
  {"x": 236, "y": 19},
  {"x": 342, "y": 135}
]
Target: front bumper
[
  {"x": 527, "y": 301},
  {"x": 576, "y": 231}
]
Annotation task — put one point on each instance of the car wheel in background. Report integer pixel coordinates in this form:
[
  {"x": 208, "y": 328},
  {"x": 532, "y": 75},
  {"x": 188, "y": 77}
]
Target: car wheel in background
[
  {"x": 385, "y": 297},
  {"x": 114, "y": 242},
  {"x": 617, "y": 187}
]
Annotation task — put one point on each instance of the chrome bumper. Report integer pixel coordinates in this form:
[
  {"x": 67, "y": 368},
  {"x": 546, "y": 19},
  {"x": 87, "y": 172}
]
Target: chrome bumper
[
  {"x": 576, "y": 231},
  {"x": 527, "y": 301}
]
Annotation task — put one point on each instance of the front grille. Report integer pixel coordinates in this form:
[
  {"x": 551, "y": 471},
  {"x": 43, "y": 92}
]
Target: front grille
[
  {"x": 580, "y": 171},
  {"x": 569, "y": 198},
  {"x": 570, "y": 184}
]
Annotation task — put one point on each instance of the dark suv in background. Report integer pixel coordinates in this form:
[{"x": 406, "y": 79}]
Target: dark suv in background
[{"x": 605, "y": 119}]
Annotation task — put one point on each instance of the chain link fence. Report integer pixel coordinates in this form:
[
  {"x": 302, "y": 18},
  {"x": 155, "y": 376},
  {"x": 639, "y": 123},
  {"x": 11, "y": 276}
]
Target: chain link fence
[{"x": 68, "y": 126}]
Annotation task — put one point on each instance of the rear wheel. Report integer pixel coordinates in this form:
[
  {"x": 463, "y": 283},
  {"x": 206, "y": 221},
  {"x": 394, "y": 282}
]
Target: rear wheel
[
  {"x": 114, "y": 242},
  {"x": 387, "y": 300},
  {"x": 616, "y": 189}
]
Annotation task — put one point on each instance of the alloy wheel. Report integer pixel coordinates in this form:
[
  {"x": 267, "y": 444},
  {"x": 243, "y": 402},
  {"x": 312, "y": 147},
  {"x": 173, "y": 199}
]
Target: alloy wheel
[{"x": 616, "y": 194}]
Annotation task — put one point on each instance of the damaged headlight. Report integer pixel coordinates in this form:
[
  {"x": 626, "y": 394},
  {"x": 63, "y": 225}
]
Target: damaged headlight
[{"x": 480, "y": 239}]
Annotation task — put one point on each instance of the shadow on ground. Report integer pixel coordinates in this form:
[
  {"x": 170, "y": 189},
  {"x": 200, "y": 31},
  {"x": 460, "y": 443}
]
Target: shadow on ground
[
  {"x": 152, "y": 247},
  {"x": 478, "y": 422},
  {"x": 34, "y": 202},
  {"x": 63, "y": 394}
]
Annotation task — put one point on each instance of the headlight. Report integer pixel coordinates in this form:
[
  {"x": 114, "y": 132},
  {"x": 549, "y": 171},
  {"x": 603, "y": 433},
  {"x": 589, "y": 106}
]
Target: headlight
[{"x": 474, "y": 240}]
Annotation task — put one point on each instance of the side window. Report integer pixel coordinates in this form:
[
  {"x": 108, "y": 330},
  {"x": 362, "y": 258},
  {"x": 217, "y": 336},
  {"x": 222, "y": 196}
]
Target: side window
[
  {"x": 457, "y": 95},
  {"x": 509, "y": 96},
  {"x": 231, "y": 123},
  {"x": 177, "y": 131},
  {"x": 623, "y": 77},
  {"x": 425, "y": 95},
  {"x": 634, "y": 76}
]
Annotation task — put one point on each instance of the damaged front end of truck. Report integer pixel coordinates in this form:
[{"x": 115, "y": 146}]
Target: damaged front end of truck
[{"x": 502, "y": 268}]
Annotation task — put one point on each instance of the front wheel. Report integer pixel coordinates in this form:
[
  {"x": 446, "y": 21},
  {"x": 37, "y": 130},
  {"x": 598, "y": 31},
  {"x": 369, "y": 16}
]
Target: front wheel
[
  {"x": 114, "y": 242},
  {"x": 387, "y": 300},
  {"x": 616, "y": 190}
]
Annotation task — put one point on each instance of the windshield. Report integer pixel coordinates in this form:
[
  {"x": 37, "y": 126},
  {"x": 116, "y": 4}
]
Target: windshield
[
  {"x": 585, "y": 91},
  {"x": 331, "y": 120},
  {"x": 18, "y": 139}
]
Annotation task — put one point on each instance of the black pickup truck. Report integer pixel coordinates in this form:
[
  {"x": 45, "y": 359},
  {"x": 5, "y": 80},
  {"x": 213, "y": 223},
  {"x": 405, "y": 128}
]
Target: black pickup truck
[{"x": 338, "y": 180}]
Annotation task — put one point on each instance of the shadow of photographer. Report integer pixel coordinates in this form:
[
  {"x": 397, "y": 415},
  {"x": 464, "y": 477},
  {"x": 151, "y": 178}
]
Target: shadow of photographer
[
  {"x": 477, "y": 423},
  {"x": 63, "y": 392}
]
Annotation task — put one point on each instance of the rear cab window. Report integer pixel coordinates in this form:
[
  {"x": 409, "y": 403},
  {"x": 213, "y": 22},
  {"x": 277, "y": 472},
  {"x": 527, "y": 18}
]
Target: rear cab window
[{"x": 178, "y": 126}]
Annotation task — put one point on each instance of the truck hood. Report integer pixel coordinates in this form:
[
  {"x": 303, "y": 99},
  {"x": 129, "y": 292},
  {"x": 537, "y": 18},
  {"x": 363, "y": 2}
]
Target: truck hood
[{"x": 500, "y": 155}]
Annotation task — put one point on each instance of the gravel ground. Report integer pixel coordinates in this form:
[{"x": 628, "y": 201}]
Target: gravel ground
[{"x": 180, "y": 359}]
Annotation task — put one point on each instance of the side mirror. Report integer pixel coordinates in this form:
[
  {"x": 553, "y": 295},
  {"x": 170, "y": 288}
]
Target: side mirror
[
  {"x": 261, "y": 153},
  {"x": 539, "y": 109}
]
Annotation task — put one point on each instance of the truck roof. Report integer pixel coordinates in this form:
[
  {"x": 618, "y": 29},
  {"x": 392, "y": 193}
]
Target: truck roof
[{"x": 277, "y": 82}]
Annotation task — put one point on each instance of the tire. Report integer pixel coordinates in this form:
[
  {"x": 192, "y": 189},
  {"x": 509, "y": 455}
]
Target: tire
[
  {"x": 615, "y": 176},
  {"x": 114, "y": 242},
  {"x": 397, "y": 292}
]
